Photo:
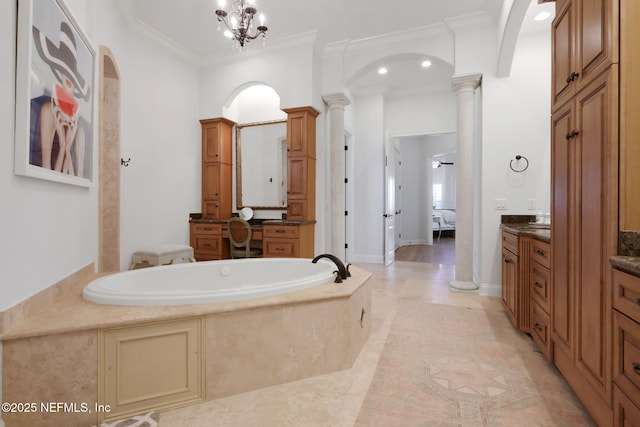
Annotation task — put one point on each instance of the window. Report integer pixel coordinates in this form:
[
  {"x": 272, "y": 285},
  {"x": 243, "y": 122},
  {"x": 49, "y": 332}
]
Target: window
[{"x": 437, "y": 196}]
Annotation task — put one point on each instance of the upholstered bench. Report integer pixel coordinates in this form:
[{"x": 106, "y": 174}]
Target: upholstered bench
[{"x": 162, "y": 255}]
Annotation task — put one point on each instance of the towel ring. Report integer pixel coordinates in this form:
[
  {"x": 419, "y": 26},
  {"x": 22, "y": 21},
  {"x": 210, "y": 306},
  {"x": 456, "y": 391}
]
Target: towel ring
[{"x": 518, "y": 157}]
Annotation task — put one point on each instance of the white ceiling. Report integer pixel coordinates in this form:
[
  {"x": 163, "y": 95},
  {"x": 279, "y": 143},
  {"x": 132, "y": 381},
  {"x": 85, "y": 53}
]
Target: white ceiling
[{"x": 190, "y": 26}]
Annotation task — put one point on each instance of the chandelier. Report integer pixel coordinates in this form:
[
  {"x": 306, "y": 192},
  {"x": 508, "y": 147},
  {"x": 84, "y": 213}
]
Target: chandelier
[{"x": 239, "y": 21}]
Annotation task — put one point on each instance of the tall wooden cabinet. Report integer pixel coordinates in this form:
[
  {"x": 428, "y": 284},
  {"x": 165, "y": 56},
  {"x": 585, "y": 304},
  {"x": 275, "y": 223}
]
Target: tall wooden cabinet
[
  {"x": 585, "y": 43},
  {"x": 584, "y": 141},
  {"x": 301, "y": 163},
  {"x": 216, "y": 168}
]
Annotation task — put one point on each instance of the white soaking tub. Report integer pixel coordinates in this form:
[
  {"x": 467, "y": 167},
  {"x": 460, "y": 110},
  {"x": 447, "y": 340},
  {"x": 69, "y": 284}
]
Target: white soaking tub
[{"x": 210, "y": 281}]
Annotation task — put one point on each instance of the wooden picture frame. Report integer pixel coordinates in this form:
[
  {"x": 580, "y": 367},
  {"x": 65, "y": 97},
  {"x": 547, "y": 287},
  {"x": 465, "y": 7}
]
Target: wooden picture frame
[{"x": 54, "y": 95}]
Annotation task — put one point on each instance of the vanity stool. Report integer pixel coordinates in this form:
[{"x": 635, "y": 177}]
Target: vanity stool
[{"x": 162, "y": 255}]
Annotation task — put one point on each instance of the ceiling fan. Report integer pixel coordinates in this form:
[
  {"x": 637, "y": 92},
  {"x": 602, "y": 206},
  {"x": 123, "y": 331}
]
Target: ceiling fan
[{"x": 437, "y": 163}]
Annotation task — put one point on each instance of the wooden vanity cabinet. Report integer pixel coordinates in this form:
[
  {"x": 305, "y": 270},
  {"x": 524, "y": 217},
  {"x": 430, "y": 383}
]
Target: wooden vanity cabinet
[
  {"x": 540, "y": 287},
  {"x": 301, "y": 163},
  {"x": 216, "y": 168},
  {"x": 207, "y": 241},
  {"x": 288, "y": 240},
  {"x": 510, "y": 276},
  {"x": 626, "y": 348}
]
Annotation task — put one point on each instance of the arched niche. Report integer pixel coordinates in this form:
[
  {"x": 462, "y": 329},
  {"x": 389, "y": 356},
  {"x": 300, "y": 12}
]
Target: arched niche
[{"x": 253, "y": 102}]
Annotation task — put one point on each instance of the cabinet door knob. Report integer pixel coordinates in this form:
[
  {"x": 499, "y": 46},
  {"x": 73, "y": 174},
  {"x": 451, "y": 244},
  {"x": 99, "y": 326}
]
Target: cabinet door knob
[
  {"x": 572, "y": 134},
  {"x": 507, "y": 261},
  {"x": 538, "y": 326},
  {"x": 572, "y": 77},
  {"x": 539, "y": 285},
  {"x": 636, "y": 367}
]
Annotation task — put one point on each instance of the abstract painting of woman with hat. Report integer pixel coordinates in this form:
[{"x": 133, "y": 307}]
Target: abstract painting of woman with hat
[{"x": 61, "y": 104}]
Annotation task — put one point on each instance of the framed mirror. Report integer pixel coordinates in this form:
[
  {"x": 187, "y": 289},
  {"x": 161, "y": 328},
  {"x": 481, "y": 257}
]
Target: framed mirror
[{"x": 261, "y": 165}]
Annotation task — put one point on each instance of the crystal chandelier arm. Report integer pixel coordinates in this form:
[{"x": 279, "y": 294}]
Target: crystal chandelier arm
[{"x": 242, "y": 22}]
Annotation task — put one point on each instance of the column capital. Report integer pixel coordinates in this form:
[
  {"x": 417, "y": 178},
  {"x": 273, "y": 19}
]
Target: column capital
[
  {"x": 336, "y": 100},
  {"x": 466, "y": 83}
]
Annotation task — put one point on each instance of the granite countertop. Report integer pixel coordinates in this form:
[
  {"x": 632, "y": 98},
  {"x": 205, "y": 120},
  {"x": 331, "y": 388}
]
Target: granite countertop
[
  {"x": 630, "y": 264},
  {"x": 199, "y": 220},
  {"x": 538, "y": 232},
  {"x": 628, "y": 258}
]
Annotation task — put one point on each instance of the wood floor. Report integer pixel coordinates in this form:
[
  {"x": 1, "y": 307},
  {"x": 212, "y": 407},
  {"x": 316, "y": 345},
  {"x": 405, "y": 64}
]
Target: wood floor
[{"x": 441, "y": 252}]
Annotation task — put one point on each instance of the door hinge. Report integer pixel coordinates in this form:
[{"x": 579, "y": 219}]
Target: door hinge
[
  {"x": 346, "y": 148},
  {"x": 346, "y": 213},
  {"x": 346, "y": 180},
  {"x": 346, "y": 245}
]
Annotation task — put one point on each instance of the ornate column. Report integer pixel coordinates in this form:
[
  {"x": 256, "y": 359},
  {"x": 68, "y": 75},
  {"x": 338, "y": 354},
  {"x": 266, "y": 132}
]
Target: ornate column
[
  {"x": 337, "y": 103},
  {"x": 465, "y": 88}
]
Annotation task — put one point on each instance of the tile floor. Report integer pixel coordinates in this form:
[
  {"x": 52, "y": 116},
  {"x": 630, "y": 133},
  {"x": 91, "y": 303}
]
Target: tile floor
[{"x": 335, "y": 399}]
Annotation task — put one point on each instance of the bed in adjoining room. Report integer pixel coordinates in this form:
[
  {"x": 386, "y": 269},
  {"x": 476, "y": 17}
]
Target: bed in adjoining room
[{"x": 444, "y": 220}]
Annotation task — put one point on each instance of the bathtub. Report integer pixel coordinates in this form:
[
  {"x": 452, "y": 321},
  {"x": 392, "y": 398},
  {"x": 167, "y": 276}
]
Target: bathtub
[{"x": 210, "y": 281}]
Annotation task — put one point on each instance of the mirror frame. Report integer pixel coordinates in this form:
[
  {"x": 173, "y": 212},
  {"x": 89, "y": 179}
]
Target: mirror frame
[{"x": 239, "y": 127}]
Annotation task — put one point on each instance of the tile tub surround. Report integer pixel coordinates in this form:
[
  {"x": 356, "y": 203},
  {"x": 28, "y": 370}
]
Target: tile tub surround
[
  {"x": 14, "y": 316},
  {"x": 328, "y": 339}
]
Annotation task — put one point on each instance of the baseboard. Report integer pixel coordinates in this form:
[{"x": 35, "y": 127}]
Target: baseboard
[
  {"x": 373, "y": 259},
  {"x": 487, "y": 289},
  {"x": 412, "y": 242}
]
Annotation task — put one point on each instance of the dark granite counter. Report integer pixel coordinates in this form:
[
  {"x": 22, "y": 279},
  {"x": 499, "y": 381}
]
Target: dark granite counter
[
  {"x": 627, "y": 263},
  {"x": 255, "y": 222},
  {"x": 629, "y": 255},
  {"x": 538, "y": 232}
]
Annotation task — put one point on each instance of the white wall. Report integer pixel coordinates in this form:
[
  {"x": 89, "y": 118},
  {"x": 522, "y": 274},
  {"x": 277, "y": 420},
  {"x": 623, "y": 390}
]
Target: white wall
[
  {"x": 221, "y": 82},
  {"x": 516, "y": 116},
  {"x": 48, "y": 230},
  {"x": 54, "y": 226},
  {"x": 161, "y": 135},
  {"x": 368, "y": 179}
]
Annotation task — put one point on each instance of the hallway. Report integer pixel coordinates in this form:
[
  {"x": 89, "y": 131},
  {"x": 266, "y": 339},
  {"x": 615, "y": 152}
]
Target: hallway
[
  {"x": 348, "y": 398},
  {"x": 443, "y": 251}
]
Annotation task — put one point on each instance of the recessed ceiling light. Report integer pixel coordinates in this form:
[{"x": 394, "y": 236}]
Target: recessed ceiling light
[
  {"x": 542, "y": 16},
  {"x": 426, "y": 64},
  {"x": 382, "y": 70}
]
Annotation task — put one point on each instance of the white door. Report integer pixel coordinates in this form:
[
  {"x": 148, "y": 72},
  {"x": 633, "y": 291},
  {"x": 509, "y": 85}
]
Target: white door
[{"x": 389, "y": 201}]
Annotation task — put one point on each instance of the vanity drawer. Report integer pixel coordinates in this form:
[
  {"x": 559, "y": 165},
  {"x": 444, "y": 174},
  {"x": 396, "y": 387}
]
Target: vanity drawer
[
  {"x": 626, "y": 294},
  {"x": 540, "y": 284},
  {"x": 540, "y": 329},
  {"x": 510, "y": 242},
  {"x": 540, "y": 252},
  {"x": 626, "y": 355},
  {"x": 625, "y": 411},
  {"x": 288, "y": 248},
  {"x": 281, "y": 231},
  {"x": 211, "y": 229}
]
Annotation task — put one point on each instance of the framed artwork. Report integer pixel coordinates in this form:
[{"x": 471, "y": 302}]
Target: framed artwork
[{"x": 54, "y": 95}]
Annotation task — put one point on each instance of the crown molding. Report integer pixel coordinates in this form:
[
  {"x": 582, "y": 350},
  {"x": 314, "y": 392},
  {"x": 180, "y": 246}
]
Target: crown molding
[
  {"x": 473, "y": 21},
  {"x": 400, "y": 38},
  {"x": 150, "y": 34}
]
